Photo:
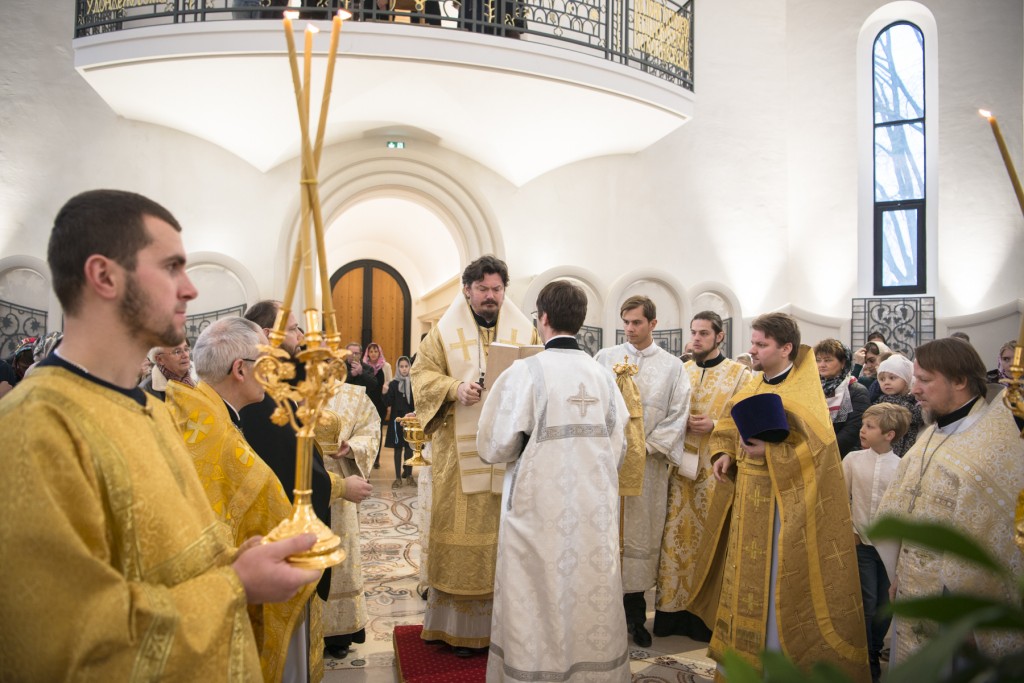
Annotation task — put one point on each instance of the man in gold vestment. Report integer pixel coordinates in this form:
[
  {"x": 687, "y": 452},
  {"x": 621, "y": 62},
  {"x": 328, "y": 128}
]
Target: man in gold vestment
[
  {"x": 790, "y": 579},
  {"x": 965, "y": 470},
  {"x": 448, "y": 381},
  {"x": 686, "y": 556},
  {"x": 118, "y": 569},
  {"x": 243, "y": 491}
]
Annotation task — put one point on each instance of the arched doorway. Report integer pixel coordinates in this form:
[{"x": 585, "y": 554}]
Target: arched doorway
[{"x": 373, "y": 304}]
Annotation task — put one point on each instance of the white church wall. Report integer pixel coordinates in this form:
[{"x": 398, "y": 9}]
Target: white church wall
[{"x": 758, "y": 192}]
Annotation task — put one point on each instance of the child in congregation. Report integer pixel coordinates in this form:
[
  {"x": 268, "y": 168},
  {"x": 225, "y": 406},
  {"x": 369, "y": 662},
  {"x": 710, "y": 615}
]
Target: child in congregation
[
  {"x": 868, "y": 473},
  {"x": 895, "y": 377}
]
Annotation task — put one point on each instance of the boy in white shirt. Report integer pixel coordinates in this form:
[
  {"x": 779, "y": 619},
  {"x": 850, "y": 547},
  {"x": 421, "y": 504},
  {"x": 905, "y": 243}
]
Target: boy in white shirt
[{"x": 868, "y": 473}]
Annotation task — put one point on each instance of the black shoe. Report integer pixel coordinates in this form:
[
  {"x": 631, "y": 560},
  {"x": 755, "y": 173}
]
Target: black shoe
[
  {"x": 336, "y": 652},
  {"x": 640, "y": 635},
  {"x": 464, "y": 651}
]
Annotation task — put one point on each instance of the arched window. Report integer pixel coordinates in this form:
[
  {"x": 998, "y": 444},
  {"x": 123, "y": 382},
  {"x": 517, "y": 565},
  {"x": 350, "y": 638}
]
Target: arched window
[{"x": 898, "y": 74}]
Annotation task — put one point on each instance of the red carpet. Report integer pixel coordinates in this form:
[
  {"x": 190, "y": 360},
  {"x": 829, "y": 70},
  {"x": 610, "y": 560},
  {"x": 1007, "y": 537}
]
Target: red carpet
[{"x": 422, "y": 662}]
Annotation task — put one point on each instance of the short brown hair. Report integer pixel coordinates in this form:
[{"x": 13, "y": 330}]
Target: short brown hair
[
  {"x": 954, "y": 360},
  {"x": 716, "y": 320},
  {"x": 264, "y": 313},
  {"x": 781, "y": 327},
  {"x": 105, "y": 222},
  {"x": 831, "y": 347},
  {"x": 485, "y": 265},
  {"x": 650, "y": 311},
  {"x": 565, "y": 305},
  {"x": 890, "y": 417}
]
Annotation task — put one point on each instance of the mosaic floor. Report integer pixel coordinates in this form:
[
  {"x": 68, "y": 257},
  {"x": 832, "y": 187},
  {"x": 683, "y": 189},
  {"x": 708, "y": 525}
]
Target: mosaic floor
[{"x": 391, "y": 550}]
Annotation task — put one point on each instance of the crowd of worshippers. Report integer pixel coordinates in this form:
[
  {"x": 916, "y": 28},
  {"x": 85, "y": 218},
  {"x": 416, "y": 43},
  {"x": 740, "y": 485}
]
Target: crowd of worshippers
[{"x": 561, "y": 489}]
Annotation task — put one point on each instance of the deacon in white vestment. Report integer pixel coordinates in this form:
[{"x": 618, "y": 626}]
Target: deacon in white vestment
[
  {"x": 560, "y": 419},
  {"x": 665, "y": 392}
]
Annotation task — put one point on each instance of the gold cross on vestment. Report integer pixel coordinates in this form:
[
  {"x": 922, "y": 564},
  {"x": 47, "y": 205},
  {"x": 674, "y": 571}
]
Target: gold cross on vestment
[
  {"x": 820, "y": 507},
  {"x": 854, "y": 607},
  {"x": 759, "y": 498},
  {"x": 785, "y": 575},
  {"x": 515, "y": 333},
  {"x": 463, "y": 344},
  {"x": 197, "y": 426},
  {"x": 754, "y": 550},
  {"x": 582, "y": 400},
  {"x": 837, "y": 554},
  {"x": 750, "y": 601}
]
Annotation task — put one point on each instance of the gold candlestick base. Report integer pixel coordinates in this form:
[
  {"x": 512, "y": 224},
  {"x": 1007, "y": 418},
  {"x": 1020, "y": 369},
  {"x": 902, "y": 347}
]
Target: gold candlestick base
[{"x": 326, "y": 552}]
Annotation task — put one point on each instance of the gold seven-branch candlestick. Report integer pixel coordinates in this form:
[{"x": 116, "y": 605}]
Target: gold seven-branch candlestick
[{"x": 301, "y": 404}]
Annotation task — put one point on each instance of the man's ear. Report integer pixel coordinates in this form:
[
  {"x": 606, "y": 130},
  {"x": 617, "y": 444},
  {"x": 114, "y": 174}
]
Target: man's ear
[
  {"x": 104, "y": 276},
  {"x": 654, "y": 323}
]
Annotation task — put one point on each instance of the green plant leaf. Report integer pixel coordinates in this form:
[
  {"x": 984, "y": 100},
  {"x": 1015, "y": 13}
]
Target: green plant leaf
[
  {"x": 739, "y": 670},
  {"x": 779, "y": 669},
  {"x": 826, "y": 672},
  {"x": 927, "y": 663},
  {"x": 939, "y": 537},
  {"x": 942, "y": 608}
]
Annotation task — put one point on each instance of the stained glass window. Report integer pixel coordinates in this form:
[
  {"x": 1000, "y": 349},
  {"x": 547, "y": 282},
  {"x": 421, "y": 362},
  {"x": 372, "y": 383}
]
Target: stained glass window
[{"x": 899, "y": 156}]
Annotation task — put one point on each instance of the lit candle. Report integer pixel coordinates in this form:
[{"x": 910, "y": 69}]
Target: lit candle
[
  {"x": 289, "y": 35},
  {"x": 1006, "y": 157}
]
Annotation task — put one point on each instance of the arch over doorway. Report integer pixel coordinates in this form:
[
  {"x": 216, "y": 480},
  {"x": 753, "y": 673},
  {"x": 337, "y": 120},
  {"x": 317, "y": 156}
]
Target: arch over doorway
[
  {"x": 417, "y": 176},
  {"x": 372, "y": 303}
]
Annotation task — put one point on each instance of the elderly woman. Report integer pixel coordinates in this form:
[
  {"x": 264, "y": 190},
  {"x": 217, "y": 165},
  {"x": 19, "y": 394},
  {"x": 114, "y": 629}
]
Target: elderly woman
[{"x": 847, "y": 399}]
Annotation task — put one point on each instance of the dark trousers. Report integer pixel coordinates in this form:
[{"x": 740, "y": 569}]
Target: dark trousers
[
  {"x": 874, "y": 589},
  {"x": 636, "y": 608},
  {"x": 402, "y": 453}
]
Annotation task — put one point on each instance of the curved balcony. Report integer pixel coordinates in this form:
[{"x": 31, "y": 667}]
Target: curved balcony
[{"x": 553, "y": 82}]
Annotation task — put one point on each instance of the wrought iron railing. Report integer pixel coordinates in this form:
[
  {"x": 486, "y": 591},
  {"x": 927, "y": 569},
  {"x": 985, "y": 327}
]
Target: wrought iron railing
[
  {"x": 589, "y": 338},
  {"x": 654, "y": 36},
  {"x": 905, "y": 322},
  {"x": 17, "y": 323},
  {"x": 670, "y": 340},
  {"x": 195, "y": 324}
]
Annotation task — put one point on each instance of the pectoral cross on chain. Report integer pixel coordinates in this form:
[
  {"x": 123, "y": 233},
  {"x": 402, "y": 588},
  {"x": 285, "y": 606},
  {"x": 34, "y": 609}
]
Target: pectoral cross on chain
[
  {"x": 463, "y": 344},
  {"x": 582, "y": 400}
]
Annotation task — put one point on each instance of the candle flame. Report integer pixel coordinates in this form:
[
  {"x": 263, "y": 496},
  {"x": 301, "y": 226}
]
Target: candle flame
[
  {"x": 291, "y": 15},
  {"x": 310, "y": 28},
  {"x": 986, "y": 113},
  {"x": 344, "y": 14}
]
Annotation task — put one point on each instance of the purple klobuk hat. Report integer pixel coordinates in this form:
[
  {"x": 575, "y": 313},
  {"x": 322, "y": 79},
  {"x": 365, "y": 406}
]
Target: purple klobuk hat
[{"x": 761, "y": 416}]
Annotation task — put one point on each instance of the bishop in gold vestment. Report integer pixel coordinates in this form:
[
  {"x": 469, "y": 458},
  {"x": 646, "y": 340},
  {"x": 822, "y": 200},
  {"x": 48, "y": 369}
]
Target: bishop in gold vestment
[
  {"x": 463, "y": 526},
  {"x": 116, "y": 567},
  {"x": 792, "y": 505},
  {"x": 246, "y": 494},
  {"x": 689, "y": 561}
]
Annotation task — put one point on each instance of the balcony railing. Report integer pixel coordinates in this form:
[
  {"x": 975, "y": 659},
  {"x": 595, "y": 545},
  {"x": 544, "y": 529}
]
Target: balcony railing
[{"x": 653, "y": 36}]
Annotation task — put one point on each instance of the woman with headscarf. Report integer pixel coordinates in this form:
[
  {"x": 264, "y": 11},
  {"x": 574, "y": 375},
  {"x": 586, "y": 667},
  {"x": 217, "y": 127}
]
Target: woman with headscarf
[
  {"x": 399, "y": 399},
  {"x": 847, "y": 399},
  {"x": 374, "y": 357}
]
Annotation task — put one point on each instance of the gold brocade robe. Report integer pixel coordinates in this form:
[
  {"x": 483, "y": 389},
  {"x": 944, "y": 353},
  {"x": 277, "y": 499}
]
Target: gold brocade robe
[
  {"x": 819, "y": 613},
  {"x": 690, "y": 567},
  {"x": 463, "y": 528},
  {"x": 115, "y": 567},
  {"x": 359, "y": 425},
  {"x": 967, "y": 479},
  {"x": 244, "y": 493}
]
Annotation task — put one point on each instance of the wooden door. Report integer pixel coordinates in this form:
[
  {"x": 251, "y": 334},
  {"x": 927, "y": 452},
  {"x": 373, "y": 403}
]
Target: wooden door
[{"x": 373, "y": 304}]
